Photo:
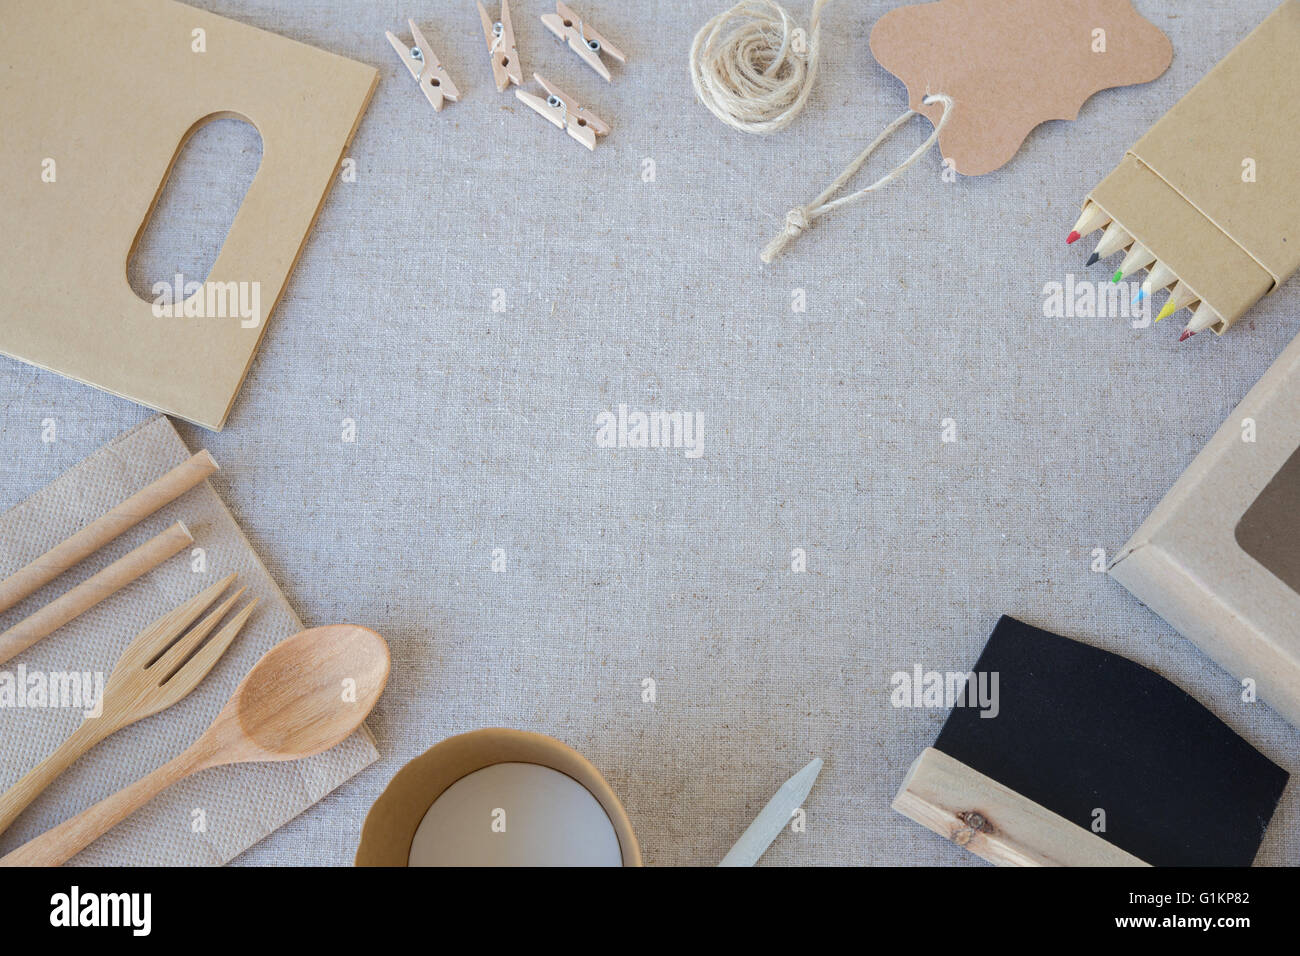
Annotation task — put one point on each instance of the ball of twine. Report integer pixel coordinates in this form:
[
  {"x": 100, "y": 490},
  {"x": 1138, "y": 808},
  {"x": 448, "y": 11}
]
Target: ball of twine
[{"x": 754, "y": 67}]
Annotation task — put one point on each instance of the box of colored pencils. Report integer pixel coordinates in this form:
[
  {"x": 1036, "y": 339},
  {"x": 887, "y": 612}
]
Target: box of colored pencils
[
  {"x": 1219, "y": 558},
  {"x": 1208, "y": 201}
]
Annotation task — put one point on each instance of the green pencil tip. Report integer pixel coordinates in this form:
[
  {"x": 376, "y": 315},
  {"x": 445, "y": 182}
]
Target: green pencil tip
[{"x": 1119, "y": 274}]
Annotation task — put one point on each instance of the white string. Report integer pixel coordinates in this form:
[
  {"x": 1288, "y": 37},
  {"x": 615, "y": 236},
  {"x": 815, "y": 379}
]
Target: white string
[
  {"x": 754, "y": 68},
  {"x": 800, "y": 218}
]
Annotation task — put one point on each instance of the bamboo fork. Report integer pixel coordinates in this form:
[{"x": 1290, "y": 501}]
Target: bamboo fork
[{"x": 157, "y": 669}]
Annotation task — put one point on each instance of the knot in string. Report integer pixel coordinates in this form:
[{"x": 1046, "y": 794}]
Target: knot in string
[
  {"x": 800, "y": 218},
  {"x": 796, "y": 221}
]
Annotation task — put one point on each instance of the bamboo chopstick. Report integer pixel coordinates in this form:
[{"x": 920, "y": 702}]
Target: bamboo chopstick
[
  {"x": 94, "y": 589},
  {"x": 149, "y": 499}
]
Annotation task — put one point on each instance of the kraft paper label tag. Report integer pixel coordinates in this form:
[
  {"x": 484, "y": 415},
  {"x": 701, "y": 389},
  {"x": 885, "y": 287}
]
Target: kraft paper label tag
[{"x": 1010, "y": 65}]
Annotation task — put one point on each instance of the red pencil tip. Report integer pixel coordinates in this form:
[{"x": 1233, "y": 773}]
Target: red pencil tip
[
  {"x": 1072, "y": 238},
  {"x": 1187, "y": 334}
]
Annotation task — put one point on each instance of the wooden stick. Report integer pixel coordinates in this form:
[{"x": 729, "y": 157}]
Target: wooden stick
[
  {"x": 994, "y": 822},
  {"x": 93, "y": 590},
  {"x": 27, "y": 581}
]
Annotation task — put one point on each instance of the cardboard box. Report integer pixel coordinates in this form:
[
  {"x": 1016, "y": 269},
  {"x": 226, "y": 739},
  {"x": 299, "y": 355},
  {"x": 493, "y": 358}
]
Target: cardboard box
[
  {"x": 1213, "y": 188},
  {"x": 1219, "y": 558}
]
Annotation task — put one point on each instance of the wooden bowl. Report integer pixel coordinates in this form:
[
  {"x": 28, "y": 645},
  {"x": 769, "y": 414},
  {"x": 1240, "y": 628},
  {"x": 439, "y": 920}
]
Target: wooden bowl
[{"x": 391, "y": 823}]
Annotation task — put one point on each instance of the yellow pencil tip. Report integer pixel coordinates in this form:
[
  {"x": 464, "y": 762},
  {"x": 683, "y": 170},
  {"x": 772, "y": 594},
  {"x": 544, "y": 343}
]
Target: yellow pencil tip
[{"x": 1167, "y": 311}]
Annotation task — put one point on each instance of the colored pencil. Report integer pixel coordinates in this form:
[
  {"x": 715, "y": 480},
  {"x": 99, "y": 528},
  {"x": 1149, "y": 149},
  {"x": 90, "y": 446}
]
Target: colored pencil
[
  {"x": 1160, "y": 277},
  {"x": 1202, "y": 319},
  {"x": 1112, "y": 241},
  {"x": 1093, "y": 218},
  {"x": 1139, "y": 257},
  {"x": 1180, "y": 298}
]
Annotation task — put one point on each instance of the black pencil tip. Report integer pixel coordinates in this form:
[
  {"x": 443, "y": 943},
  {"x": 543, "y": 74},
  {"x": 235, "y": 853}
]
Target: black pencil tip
[{"x": 1093, "y": 258}]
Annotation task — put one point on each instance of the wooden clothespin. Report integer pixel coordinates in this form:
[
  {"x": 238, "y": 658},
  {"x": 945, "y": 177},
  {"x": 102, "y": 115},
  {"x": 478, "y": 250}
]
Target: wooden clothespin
[
  {"x": 426, "y": 69},
  {"x": 582, "y": 37},
  {"x": 501, "y": 47},
  {"x": 566, "y": 112}
]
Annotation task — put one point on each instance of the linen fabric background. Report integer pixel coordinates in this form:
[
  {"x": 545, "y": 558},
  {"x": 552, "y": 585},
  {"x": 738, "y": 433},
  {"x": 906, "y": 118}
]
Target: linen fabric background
[{"x": 475, "y": 428}]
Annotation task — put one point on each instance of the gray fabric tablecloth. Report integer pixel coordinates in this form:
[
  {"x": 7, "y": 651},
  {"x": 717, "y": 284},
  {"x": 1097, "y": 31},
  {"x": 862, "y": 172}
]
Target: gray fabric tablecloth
[{"x": 476, "y": 428}]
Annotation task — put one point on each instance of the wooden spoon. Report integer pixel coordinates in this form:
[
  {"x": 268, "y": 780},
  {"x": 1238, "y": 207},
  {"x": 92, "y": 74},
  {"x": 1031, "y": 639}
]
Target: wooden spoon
[{"x": 306, "y": 694}]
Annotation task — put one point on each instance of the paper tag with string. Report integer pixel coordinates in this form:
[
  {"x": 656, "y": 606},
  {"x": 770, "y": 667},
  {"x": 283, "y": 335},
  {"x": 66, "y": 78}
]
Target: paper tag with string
[{"x": 985, "y": 72}]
